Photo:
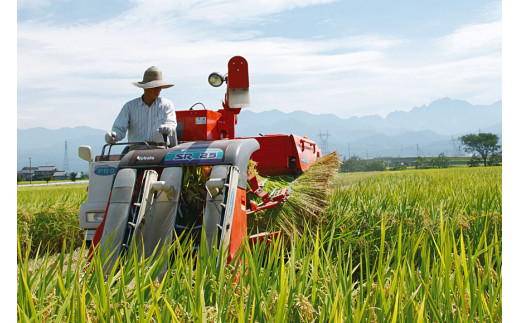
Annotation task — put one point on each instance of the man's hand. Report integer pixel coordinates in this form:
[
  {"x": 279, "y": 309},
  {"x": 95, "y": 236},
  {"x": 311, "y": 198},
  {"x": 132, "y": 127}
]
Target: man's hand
[
  {"x": 165, "y": 130},
  {"x": 110, "y": 137}
]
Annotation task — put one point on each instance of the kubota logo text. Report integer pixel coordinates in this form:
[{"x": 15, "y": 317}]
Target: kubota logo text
[{"x": 145, "y": 158}]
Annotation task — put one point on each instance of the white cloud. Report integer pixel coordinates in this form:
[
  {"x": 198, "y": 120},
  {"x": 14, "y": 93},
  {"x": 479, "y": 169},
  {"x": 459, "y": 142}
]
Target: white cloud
[
  {"x": 83, "y": 71},
  {"x": 379, "y": 87},
  {"x": 34, "y": 4},
  {"x": 472, "y": 39},
  {"x": 492, "y": 10},
  {"x": 219, "y": 12}
]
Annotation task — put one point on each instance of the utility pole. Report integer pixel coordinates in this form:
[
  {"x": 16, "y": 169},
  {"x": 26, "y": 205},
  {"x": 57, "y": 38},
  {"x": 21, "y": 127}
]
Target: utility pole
[
  {"x": 66, "y": 159},
  {"x": 30, "y": 171}
]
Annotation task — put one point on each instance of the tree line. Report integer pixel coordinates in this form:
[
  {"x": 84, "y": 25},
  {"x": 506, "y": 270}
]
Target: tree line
[{"x": 484, "y": 148}]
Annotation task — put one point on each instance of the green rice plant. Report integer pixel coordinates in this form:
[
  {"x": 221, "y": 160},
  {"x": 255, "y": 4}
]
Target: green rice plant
[
  {"x": 348, "y": 179},
  {"x": 377, "y": 259},
  {"x": 469, "y": 198},
  {"x": 37, "y": 197},
  {"x": 307, "y": 284},
  {"x": 193, "y": 190},
  {"x": 48, "y": 215}
]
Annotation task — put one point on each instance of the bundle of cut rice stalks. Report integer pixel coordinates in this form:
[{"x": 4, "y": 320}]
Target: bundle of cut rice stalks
[{"x": 307, "y": 201}]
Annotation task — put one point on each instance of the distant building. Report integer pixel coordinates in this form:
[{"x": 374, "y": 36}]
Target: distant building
[
  {"x": 59, "y": 176},
  {"x": 40, "y": 171},
  {"x": 26, "y": 172},
  {"x": 44, "y": 171}
]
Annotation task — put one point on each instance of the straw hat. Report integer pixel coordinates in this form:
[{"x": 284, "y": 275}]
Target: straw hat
[{"x": 152, "y": 78}]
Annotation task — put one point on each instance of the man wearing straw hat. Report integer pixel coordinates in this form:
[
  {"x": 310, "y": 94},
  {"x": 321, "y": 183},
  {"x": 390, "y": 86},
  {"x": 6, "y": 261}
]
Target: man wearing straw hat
[{"x": 148, "y": 117}]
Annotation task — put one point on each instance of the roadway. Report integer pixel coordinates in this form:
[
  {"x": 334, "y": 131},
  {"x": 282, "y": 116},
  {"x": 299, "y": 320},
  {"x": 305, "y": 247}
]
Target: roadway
[{"x": 56, "y": 183}]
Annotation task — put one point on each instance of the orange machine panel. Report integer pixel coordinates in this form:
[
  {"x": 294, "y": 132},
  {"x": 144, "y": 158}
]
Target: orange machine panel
[
  {"x": 284, "y": 154},
  {"x": 193, "y": 125},
  {"x": 239, "y": 226}
]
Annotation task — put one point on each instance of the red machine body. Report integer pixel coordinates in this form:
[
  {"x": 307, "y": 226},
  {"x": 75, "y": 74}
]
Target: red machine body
[
  {"x": 284, "y": 154},
  {"x": 279, "y": 154},
  {"x": 197, "y": 125}
]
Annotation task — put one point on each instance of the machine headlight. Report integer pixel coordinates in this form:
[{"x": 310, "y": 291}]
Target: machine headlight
[
  {"x": 215, "y": 79},
  {"x": 95, "y": 216}
]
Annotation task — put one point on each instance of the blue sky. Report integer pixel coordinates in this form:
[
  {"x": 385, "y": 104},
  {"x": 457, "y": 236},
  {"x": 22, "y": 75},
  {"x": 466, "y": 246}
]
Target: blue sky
[{"x": 77, "y": 59}]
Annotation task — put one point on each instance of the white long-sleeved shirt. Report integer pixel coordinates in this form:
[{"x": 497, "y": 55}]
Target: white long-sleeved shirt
[{"x": 142, "y": 121}]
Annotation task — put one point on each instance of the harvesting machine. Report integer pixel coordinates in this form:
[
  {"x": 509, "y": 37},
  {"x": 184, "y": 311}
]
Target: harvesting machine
[{"x": 142, "y": 193}]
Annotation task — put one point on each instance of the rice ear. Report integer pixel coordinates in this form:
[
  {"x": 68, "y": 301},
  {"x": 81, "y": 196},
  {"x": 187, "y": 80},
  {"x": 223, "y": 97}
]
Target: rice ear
[{"x": 307, "y": 201}]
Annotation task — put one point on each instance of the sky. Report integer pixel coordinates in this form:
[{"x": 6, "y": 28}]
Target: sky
[{"x": 76, "y": 60}]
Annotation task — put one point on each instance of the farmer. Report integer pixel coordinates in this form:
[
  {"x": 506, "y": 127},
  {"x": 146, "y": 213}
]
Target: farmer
[{"x": 148, "y": 117}]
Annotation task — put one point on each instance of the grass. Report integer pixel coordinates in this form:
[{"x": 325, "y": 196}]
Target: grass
[
  {"x": 48, "y": 215},
  {"x": 348, "y": 179},
  {"x": 469, "y": 200},
  {"x": 408, "y": 246},
  {"x": 35, "y": 197}
]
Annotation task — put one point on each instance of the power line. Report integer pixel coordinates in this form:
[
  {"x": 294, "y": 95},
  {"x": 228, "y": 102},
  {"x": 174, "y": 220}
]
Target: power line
[
  {"x": 66, "y": 159},
  {"x": 30, "y": 170},
  {"x": 419, "y": 151},
  {"x": 324, "y": 139}
]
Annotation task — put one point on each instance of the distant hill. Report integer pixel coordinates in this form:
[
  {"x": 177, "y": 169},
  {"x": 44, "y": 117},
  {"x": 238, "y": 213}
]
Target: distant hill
[
  {"x": 444, "y": 116},
  {"x": 426, "y": 130},
  {"x": 429, "y": 129},
  {"x": 447, "y": 117}
]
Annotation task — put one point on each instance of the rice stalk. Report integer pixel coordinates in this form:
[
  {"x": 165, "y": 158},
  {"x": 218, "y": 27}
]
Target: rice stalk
[
  {"x": 404, "y": 271},
  {"x": 307, "y": 201}
]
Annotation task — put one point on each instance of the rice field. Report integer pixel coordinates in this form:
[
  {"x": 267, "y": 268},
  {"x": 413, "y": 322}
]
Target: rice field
[
  {"x": 49, "y": 214},
  {"x": 407, "y": 246}
]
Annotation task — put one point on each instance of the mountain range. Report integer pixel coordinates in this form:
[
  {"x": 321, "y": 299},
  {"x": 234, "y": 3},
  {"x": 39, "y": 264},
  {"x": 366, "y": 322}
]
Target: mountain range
[{"x": 426, "y": 130}]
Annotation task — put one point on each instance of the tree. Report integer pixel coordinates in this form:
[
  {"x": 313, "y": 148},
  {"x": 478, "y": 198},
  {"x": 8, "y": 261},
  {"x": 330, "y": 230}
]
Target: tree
[
  {"x": 353, "y": 164},
  {"x": 485, "y": 144},
  {"x": 400, "y": 166},
  {"x": 421, "y": 162},
  {"x": 356, "y": 164},
  {"x": 72, "y": 176},
  {"x": 376, "y": 166},
  {"x": 495, "y": 159},
  {"x": 474, "y": 161},
  {"x": 47, "y": 178},
  {"x": 83, "y": 175},
  {"x": 440, "y": 161}
]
